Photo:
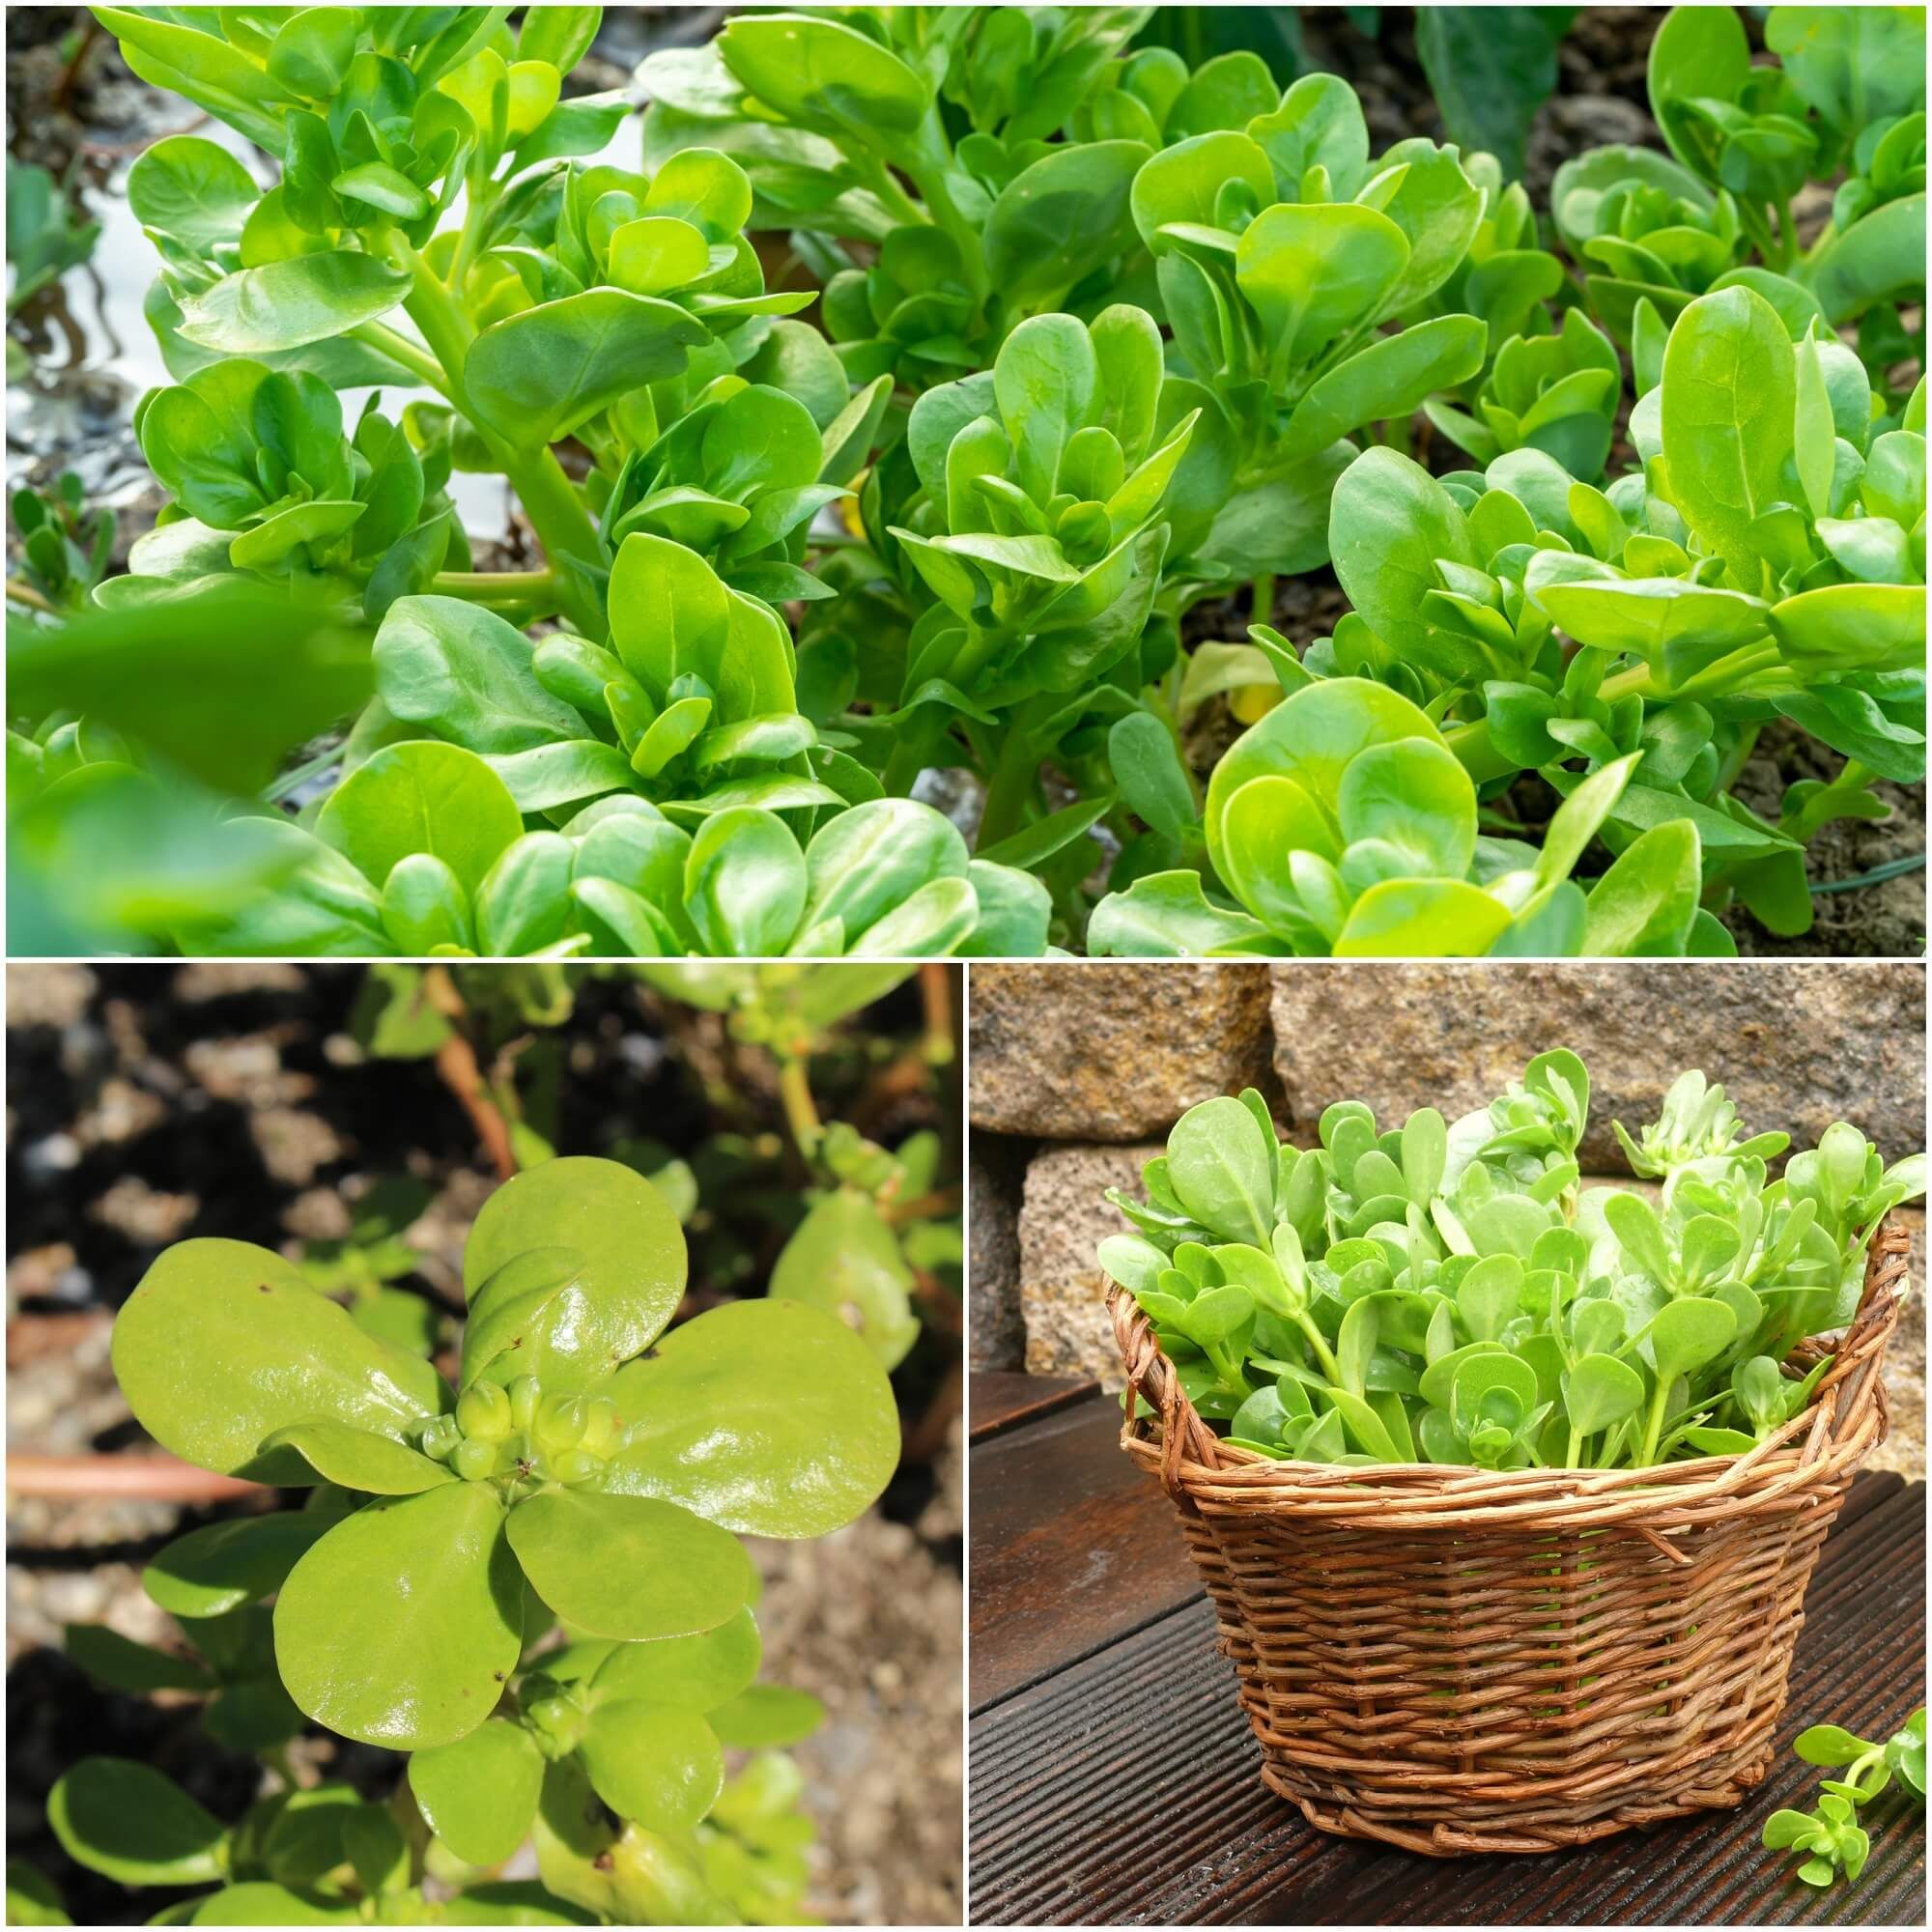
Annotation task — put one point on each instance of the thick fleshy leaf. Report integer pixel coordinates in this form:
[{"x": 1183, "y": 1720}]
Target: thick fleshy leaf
[
  {"x": 1730, "y": 388},
  {"x": 479, "y": 1793},
  {"x": 224, "y": 1342},
  {"x": 767, "y": 1417},
  {"x": 128, "y": 1821},
  {"x": 259, "y": 1902},
  {"x": 629, "y": 1566},
  {"x": 767, "y": 1716},
  {"x": 660, "y": 1766},
  {"x": 421, "y": 796},
  {"x": 539, "y": 374},
  {"x": 402, "y": 1626},
  {"x": 359, "y": 1459},
  {"x": 613, "y": 1303},
  {"x": 844, "y": 1259},
  {"x": 123, "y": 1665},
  {"x": 285, "y": 304},
  {"x": 694, "y": 1673}
]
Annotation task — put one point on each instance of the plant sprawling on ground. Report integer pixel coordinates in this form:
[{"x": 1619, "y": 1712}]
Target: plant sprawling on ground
[
  {"x": 1449, "y": 1292},
  {"x": 1095, "y": 335}
]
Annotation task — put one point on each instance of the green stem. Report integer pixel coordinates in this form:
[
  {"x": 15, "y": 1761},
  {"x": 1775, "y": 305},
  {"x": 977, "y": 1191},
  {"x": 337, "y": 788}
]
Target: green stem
[
  {"x": 801, "y": 1111},
  {"x": 550, "y": 500},
  {"x": 1787, "y": 234},
  {"x": 1324, "y": 1354},
  {"x": 1654, "y": 1428},
  {"x": 287, "y": 783},
  {"x": 1574, "y": 1450},
  {"x": 1011, "y": 786},
  {"x": 1260, "y": 601},
  {"x": 930, "y": 176},
  {"x": 493, "y": 587},
  {"x": 398, "y": 348},
  {"x": 483, "y": 194},
  {"x": 898, "y": 203}
]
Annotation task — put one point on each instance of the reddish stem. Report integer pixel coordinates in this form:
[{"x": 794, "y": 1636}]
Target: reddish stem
[{"x": 161, "y": 1479}]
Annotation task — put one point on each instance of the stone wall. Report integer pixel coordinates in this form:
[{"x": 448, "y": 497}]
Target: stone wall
[{"x": 1078, "y": 1070}]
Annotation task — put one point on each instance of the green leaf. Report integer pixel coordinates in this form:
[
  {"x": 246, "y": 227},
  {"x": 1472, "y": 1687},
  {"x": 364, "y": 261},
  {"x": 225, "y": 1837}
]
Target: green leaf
[
  {"x": 746, "y": 883},
  {"x": 659, "y": 1767},
  {"x": 223, "y": 1342},
  {"x": 1730, "y": 402},
  {"x": 223, "y": 1565},
  {"x": 123, "y": 1665},
  {"x": 479, "y": 1793},
  {"x": 629, "y": 1566},
  {"x": 770, "y": 1418},
  {"x": 467, "y": 675},
  {"x": 285, "y": 304},
  {"x": 421, "y": 797},
  {"x": 127, "y": 1822},
  {"x": 1221, "y": 1167},
  {"x": 624, "y": 1285},
  {"x": 692, "y": 1673},
  {"x": 402, "y": 1626},
  {"x": 359, "y": 1459},
  {"x": 767, "y": 1716},
  {"x": 539, "y": 374},
  {"x": 844, "y": 1260}
]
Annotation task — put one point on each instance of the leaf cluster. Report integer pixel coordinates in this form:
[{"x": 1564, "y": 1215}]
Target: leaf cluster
[{"x": 1450, "y": 1293}]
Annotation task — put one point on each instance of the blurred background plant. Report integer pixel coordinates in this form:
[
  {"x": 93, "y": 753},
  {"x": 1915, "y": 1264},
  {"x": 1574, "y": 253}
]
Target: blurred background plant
[{"x": 803, "y": 1120}]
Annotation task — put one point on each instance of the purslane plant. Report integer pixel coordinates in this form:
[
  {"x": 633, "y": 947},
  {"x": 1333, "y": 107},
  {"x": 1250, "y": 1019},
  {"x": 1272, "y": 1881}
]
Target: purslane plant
[
  {"x": 1847, "y": 95},
  {"x": 591, "y": 1467},
  {"x": 1697, "y": 618},
  {"x": 1830, "y": 1837},
  {"x": 1448, "y": 1293},
  {"x": 1068, "y": 260}
]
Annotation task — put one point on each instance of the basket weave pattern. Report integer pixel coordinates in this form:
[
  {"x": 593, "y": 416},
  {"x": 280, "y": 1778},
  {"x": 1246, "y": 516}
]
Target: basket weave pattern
[{"x": 1473, "y": 1660}]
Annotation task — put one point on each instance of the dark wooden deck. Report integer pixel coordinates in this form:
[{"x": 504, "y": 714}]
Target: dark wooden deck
[{"x": 1114, "y": 1779}]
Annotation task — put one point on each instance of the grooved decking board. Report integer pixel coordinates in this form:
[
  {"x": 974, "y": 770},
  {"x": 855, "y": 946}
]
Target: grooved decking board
[
  {"x": 1120, "y": 1784},
  {"x": 998, "y": 1400}
]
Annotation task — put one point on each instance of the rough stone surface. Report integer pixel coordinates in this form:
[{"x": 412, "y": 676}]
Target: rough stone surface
[
  {"x": 1063, "y": 1293},
  {"x": 996, "y": 1331},
  {"x": 1796, "y": 1047},
  {"x": 1112, "y": 1053}
]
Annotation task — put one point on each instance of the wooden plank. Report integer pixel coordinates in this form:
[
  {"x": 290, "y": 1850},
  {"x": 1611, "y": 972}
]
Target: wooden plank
[
  {"x": 998, "y": 1400},
  {"x": 1125, "y": 1789},
  {"x": 1071, "y": 1548}
]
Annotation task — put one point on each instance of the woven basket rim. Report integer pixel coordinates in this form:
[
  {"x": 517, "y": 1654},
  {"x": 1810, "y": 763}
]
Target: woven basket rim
[{"x": 1844, "y": 1421}]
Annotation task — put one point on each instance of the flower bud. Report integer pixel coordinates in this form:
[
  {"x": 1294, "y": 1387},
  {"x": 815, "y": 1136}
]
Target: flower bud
[
  {"x": 474, "y": 1461},
  {"x": 484, "y": 1412},
  {"x": 560, "y": 1421},
  {"x": 526, "y": 1394},
  {"x": 603, "y": 1428},
  {"x": 575, "y": 1466},
  {"x": 439, "y": 1436},
  {"x": 558, "y": 1724}
]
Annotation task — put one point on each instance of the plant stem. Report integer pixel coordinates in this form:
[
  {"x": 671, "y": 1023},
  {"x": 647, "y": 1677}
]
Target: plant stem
[
  {"x": 18, "y": 592},
  {"x": 556, "y": 514},
  {"x": 398, "y": 348},
  {"x": 1325, "y": 1355},
  {"x": 800, "y": 1109},
  {"x": 287, "y": 783},
  {"x": 457, "y": 1068},
  {"x": 1260, "y": 600},
  {"x": 497, "y": 587},
  {"x": 1013, "y": 777}
]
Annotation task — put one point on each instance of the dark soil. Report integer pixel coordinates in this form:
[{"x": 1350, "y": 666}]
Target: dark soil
[{"x": 147, "y": 1103}]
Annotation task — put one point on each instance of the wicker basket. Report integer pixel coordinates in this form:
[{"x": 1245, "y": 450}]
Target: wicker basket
[{"x": 1464, "y": 1660}]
